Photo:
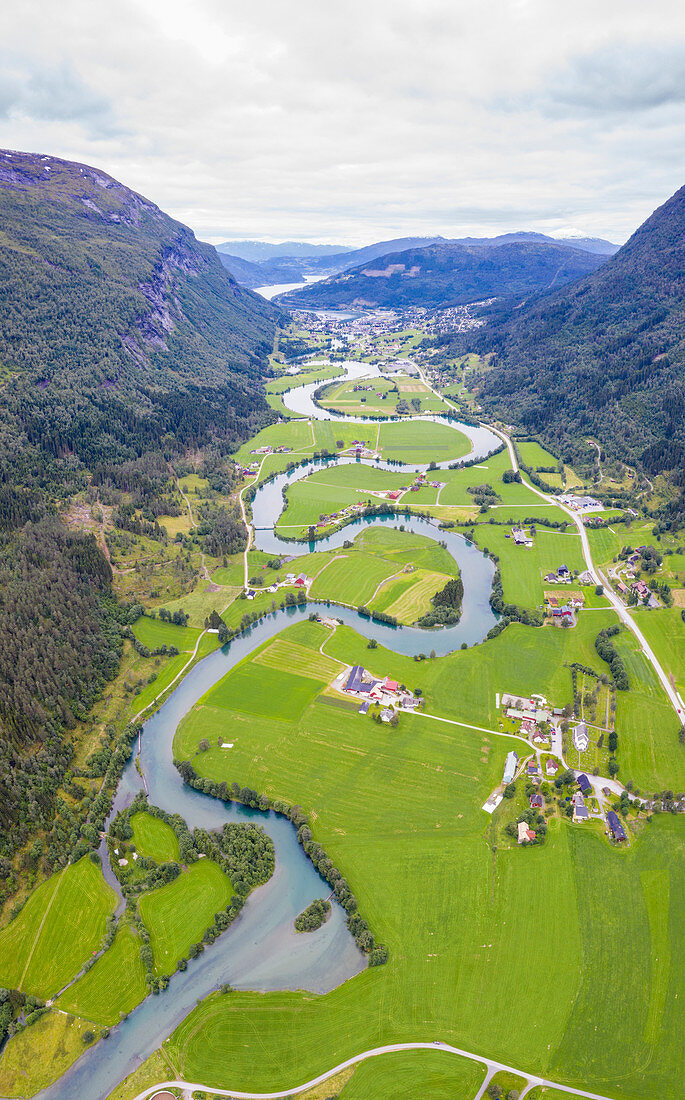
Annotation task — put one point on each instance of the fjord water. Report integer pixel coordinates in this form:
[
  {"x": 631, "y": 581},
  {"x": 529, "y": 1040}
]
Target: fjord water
[{"x": 261, "y": 950}]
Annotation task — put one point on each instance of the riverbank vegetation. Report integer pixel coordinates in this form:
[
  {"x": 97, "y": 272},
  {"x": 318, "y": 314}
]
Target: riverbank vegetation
[{"x": 313, "y": 916}]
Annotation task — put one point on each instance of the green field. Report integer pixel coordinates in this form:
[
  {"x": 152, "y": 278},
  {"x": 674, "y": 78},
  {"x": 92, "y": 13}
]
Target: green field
[
  {"x": 326, "y": 491},
  {"x": 154, "y": 633},
  {"x": 153, "y": 838},
  {"x": 114, "y": 985},
  {"x": 533, "y": 455},
  {"x": 379, "y": 396},
  {"x": 422, "y": 442},
  {"x": 425, "y": 1073},
  {"x": 60, "y": 926},
  {"x": 399, "y": 812},
  {"x": 177, "y": 915},
  {"x": 41, "y": 1053},
  {"x": 523, "y": 568},
  {"x": 664, "y": 629}
]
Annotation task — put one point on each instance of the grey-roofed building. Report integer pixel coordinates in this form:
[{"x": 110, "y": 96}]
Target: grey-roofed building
[
  {"x": 584, "y": 783},
  {"x": 615, "y": 828}
]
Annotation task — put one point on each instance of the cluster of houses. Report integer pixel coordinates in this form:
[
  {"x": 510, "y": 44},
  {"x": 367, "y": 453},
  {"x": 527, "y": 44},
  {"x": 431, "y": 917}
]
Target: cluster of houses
[
  {"x": 639, "y": 588},
  {"x": 420, "y": 482},
  {"x": 271, "y": 451},
  {"x": 292, "y": 580},
  {"x": 245, "y": 471},
  {"x": 386, "y": 693},
  {"x": 563, "y": 575},
  {"x": 344, "y": 513}
]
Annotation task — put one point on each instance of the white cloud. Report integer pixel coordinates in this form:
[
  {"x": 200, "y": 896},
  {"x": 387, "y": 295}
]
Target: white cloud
[{"x": 358, "y": 121}]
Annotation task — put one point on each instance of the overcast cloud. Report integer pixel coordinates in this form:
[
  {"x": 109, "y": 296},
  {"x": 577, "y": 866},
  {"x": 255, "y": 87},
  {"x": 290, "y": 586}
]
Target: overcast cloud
[{"x": 356, "y": 121}]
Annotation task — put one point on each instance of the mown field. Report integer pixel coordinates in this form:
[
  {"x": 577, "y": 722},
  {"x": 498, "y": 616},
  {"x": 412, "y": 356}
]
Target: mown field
[
  {"x": 425, "y": 1073},
  {"x": 154, "y": 838},
  {"x": 418, "y": 442},
  {"x": 410, "y": 441},
  {"x": 176, "y": 915},
  {"x": 534, "y": 455},
  {"x": 114, "y": 985},
  {"x": 474, "y": 933},
  {"x": 664, "y": 629},
  {"x": 60, "y": 926}
]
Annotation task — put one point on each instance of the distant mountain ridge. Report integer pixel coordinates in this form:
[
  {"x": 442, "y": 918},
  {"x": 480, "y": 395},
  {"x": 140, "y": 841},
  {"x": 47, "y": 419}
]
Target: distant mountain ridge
[
  {"x": 292, "y": 269},
  {"x": 448, "y": 273},
  {"x": 604, "y": 357},
  {"x": 256, "y": 251}
]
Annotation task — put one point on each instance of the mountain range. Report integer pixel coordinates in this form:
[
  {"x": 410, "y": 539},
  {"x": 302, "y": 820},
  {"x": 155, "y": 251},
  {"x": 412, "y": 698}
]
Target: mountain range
[{"x": 450, "y": 273}]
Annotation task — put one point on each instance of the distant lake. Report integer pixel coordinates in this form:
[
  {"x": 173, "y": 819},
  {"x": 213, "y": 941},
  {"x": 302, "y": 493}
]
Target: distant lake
[{"x": 282, "y": 288}]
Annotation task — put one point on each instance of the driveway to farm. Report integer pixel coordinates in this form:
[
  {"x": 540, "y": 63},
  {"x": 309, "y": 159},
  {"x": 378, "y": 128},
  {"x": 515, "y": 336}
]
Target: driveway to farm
[
  {"x": 491, "y": 1066},
  {"x": 598, "y": 578}
]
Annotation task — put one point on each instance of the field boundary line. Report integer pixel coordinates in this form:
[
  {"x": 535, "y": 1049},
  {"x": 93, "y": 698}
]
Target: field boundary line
[
  {"x": 40, "y": 926},
  {"x": 468, "y": 726}
]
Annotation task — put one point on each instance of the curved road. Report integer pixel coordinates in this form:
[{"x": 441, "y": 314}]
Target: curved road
[
  {"x": 598, "y": 578},
  {"x": 490, "y": 1064}
]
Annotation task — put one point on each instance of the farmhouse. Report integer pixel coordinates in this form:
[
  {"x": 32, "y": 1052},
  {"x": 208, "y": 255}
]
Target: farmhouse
[
  {"x": 615, "y": 828},
  {"x": 520, "y": 537},
  {"x": 525, "y": 833},
  {"x": 581, "y": 738},
  {"x": 359, "y": 681},
  {"x": 537, "y": 802},
  {"x": 510, "y": 767}
]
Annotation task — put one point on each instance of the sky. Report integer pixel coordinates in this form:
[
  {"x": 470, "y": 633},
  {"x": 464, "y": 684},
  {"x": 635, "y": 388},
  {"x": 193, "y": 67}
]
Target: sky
[{"x": 359, "y": 120}]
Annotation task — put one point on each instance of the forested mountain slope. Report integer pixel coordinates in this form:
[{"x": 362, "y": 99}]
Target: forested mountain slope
[
  {"x": 124, "y": 344},
  {"x": 449, "y": 273},
  {"x": 604, "y": 357},
  {"x": 107, "y": 308}
]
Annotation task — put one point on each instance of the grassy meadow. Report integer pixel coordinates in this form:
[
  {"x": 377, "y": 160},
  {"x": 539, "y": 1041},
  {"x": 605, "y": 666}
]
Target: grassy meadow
[
  {"x": 60, "y": 926},
  {"x": 41, "y": 1053},
  {"x": 154, "y": 838},
  {"x": 114, "y": 985},
  {"x": 176, "y": 915},
  {"x": 474, "y": 932}
]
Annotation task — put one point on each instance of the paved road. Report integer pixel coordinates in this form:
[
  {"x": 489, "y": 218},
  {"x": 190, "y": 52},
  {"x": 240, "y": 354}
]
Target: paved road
[
  {"x": 490, "y": 1064},
  {"x": 598, "y": 578}
]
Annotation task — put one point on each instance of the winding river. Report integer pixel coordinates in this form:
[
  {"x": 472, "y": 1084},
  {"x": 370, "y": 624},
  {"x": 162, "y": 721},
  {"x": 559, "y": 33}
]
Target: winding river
[{"x": 261, "y": 950}]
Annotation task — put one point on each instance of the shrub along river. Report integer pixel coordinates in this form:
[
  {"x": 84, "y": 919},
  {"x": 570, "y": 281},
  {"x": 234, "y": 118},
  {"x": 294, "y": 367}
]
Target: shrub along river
[{"x": 261, "y": 949}]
